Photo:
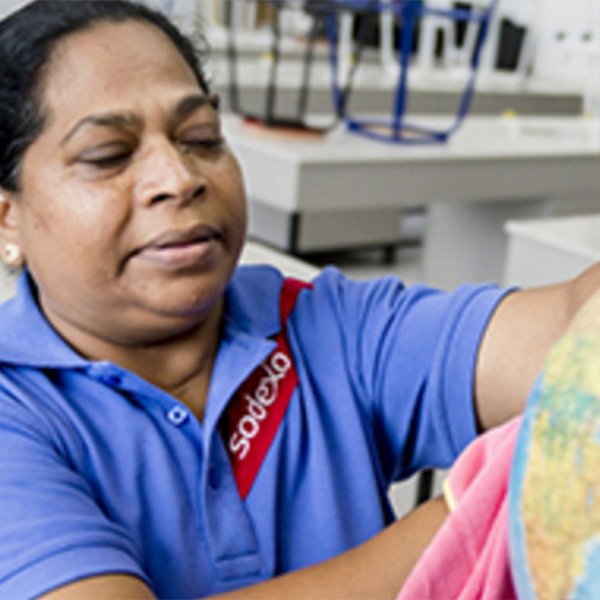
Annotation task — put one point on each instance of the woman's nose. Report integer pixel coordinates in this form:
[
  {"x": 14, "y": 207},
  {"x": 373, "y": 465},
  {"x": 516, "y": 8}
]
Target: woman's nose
[{"x": 168, "y": 172}]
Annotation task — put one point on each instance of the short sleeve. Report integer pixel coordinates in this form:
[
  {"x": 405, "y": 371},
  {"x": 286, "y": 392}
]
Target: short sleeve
[
  {"x": 410, "y": 353},
  {"x": 52, "y": 531},
  {"x": 423, "y": 373}
]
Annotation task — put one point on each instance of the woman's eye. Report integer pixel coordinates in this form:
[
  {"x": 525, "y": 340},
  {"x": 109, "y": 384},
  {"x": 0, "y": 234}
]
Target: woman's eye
[
  {"x": 105, "y": 158},
  {"x": 200, "y": 137},
  {"x": 202, "y": 143},
  {"x": 107, "y": 162}
]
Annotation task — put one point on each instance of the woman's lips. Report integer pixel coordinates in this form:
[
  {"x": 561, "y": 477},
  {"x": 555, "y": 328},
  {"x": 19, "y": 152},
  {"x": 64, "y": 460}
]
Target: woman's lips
[{"x": 181, "y": 248}]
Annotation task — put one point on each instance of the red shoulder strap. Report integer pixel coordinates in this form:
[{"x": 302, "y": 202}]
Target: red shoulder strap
[
  {"x": 290, "y": 290},
  {"x": 254, "y": 414}
]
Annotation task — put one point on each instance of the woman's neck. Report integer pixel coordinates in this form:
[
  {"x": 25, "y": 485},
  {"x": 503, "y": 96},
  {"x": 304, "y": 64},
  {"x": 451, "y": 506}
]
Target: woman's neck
[{"x": 180, "y": 365}]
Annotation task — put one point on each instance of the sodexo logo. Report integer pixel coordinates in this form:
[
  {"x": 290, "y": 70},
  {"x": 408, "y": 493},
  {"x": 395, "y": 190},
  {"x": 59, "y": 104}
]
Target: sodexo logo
[{"x": 258, "y": 403}]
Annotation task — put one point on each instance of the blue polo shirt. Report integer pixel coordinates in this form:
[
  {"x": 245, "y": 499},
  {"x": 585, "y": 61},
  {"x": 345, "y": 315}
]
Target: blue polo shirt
[{"x": 101, "y": 472}]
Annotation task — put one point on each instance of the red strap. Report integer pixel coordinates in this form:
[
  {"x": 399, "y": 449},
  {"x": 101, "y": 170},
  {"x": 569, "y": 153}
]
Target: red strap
[{"x": 255, "y": 412}]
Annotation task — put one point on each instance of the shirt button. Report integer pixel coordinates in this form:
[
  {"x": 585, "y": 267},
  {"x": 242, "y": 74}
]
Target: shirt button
[
  {"x": 112, "y": 379},
  {"x": 214, "y": 478},
  {"x": 177, "y": 415},
  {"x": 105, "y": 372}
]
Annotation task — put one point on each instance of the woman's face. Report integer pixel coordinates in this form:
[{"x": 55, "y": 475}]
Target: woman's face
[{"x": 131, "y": 212}]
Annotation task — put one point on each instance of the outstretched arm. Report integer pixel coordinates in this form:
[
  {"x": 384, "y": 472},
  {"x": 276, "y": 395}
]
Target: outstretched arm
[
  {"x": 375, "y": 569},
  {"x": 518, "y": 338}
]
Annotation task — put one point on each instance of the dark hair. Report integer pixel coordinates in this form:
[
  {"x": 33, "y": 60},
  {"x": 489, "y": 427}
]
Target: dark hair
[{"x": 27, "y": 40}]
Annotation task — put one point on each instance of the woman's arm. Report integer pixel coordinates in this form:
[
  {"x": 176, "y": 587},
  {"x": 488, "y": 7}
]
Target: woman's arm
[
  {"x": 375, "y": 569},
  {"x": 518, "y": 338}
]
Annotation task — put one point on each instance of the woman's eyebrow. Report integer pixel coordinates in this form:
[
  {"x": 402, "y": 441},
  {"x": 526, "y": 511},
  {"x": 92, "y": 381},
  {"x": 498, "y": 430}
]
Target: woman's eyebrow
[
  {"x": 102, "y": 120},
  {"x": 190, "y": 104},
  {"x": 183, "y": 109}
]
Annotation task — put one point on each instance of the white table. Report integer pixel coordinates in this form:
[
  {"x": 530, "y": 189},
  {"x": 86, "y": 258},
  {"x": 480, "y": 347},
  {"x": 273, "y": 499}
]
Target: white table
[
  {"x": 343, "y": 190},
  {"x": 542, "y": 252},
  {"x": 256, "y": 253}
]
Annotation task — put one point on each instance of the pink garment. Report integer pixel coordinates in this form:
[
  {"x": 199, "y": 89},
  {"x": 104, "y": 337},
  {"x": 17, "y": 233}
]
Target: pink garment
[{"x": 468, "y": 558}]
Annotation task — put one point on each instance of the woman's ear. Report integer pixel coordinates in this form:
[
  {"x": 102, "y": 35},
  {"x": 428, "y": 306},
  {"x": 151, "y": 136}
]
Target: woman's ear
[{"x": 11, "y": 251}]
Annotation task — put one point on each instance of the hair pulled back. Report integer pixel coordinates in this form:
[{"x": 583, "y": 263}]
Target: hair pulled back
[{"x": 27, "y": 40}]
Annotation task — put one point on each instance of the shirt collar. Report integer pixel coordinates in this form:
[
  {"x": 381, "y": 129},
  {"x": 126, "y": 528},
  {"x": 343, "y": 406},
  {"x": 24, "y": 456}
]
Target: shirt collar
[
  {"x": 28, "y": 339},
  {"x": 252, "y": 301}
]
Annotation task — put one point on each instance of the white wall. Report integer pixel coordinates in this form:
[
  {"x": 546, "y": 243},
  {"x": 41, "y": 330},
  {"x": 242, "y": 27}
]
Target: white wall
[
  {"x": 568, "y": 38},
  {"x": 563, "y": 48},
  {"x": 7, "y": 6},
  {"x": 182, "y": 11}
]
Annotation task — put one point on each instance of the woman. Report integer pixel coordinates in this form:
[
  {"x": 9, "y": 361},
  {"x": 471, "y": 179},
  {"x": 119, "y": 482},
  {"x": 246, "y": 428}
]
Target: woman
[{"x": 166, "y": 428}]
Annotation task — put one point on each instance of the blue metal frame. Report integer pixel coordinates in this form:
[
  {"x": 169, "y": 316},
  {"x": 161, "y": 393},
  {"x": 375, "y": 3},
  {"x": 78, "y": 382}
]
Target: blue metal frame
[{"x": 409, "y": 12}]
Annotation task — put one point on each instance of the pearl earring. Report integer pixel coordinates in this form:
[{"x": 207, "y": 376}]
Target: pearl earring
[{"x": 12, "y": 255}]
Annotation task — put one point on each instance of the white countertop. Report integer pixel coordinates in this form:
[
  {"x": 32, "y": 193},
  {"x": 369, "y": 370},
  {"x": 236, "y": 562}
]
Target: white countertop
[
  {"x": 479, "y": 138},
  {"x": 489, "y": 158}
]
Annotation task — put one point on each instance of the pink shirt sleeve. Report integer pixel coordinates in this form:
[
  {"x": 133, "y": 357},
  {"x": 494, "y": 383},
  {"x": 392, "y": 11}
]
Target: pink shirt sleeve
[{"x": 468, "y": 558}]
